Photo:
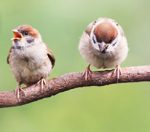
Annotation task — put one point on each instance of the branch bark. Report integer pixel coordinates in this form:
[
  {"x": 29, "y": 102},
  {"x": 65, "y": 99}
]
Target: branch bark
[{"x": 71, "y": 81}]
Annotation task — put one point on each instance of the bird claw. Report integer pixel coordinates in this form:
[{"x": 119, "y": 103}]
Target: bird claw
[
  {"x": 117, "y": 71},
  {"x": 42, "y": 82},
  {"x": 17, "y": 92},
  {"x": 87, "y": 73}
]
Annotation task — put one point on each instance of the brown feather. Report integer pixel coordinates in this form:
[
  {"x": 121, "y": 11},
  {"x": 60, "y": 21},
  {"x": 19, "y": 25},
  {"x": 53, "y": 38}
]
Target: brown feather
[
  {"x": 27, "y": 28},
  {"x": 51, "y": 56},
  {"x": 8, "y": 57},
  {"x": 105, "y": 32}
]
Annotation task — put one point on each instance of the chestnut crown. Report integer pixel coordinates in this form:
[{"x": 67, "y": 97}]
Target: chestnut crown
[
  {"x": 28, "y": 30},
  {"x": 105, "y": 32}
]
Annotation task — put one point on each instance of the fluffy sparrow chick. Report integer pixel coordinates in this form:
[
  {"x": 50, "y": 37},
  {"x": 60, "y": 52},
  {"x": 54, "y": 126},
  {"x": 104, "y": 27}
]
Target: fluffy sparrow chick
[
  {"x": 103, "y": 45},
  {"x": 29, "y": 58}
]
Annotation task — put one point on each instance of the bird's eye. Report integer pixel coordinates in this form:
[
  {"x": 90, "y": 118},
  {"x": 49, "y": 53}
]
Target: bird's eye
[
  {"x": 25, "y": 33},
  {"x": 114, "y": 43}
]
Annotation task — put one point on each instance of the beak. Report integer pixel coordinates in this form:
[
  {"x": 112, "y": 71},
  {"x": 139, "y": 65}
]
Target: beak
[
  {"x": 102, "y": 47},
  {"x": 17, "y": 35}
]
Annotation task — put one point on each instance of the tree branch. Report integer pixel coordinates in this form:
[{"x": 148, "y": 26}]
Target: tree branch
[{"x": 71, "y": 81}]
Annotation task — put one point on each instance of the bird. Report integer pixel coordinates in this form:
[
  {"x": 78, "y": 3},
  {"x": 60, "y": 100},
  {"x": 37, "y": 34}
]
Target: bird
[
  {"x": 30, "y": 60},
  {"x": 103, "y": 44}
]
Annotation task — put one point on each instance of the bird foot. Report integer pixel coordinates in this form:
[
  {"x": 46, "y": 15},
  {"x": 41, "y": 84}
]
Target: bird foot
[
  {"x": 117, "y": 71},
  {"x": 42, "y": 83},
  {"x": 87, "y": 73},
  {"x": 17, "y": 92}
]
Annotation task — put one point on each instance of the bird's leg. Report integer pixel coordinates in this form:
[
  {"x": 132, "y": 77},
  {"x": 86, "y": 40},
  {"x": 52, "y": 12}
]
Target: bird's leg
[
  {"x": 117, "y": 72},
  {"x": 42, "y": 82},
  {"x": 87, "y": 73},
  {"x": 18, "y": 90}
]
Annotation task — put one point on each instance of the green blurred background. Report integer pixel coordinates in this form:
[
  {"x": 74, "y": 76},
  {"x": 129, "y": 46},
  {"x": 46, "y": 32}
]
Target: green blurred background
[{"x": 115, "y": 108}]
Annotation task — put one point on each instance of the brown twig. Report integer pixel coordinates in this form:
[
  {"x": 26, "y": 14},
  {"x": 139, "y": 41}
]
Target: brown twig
[{"x": 71, "y": 81}]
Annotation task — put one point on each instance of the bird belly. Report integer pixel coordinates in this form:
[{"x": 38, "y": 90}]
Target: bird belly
[
  {"x": 30, "y": 71},
  {"x": 99, "y": 60}
]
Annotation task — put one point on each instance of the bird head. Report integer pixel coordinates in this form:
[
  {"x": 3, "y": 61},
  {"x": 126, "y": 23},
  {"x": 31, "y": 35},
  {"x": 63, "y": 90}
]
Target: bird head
[
  {"x": 104, "y": 35},
  {"x": 25, "y": 36}
]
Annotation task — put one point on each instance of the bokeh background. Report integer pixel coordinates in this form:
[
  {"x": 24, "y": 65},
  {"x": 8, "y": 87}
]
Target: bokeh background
[{"x": 114, "y": 108}]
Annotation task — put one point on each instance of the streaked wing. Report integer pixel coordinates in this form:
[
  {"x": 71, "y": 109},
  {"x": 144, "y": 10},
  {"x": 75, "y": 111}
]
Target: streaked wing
[
  {"x": 51, "y": 56},
  {"x": 8, "y": 57}
]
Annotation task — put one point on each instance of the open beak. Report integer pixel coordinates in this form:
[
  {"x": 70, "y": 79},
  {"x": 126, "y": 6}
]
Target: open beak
[{"x": 17, "y": 35}]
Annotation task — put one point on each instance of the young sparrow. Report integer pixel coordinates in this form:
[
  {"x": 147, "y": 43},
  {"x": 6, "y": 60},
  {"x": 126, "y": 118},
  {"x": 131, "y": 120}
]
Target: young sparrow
[
  {"x": 29, "y": 58},
  {"x": 103, "y": 45}
]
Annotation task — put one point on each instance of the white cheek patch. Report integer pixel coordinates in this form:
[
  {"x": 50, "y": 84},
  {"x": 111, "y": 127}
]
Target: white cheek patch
[
  {"x": 94, "y": 41},
  {"x": 110, "y": 48},
  {"x": 116, "y": 41},
  {"x": 114, "y": 44}
]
